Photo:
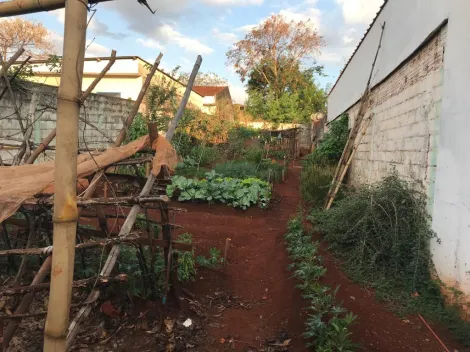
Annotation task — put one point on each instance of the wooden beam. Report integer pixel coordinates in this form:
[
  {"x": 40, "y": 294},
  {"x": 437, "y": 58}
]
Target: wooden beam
[{"x": 23, "y": 7}]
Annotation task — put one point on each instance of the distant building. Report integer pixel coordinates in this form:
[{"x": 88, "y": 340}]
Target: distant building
[
  {"x": 420, "y": 116},
  {"x": 216, "y": 101},
  {"x": 123, "y": 80}
]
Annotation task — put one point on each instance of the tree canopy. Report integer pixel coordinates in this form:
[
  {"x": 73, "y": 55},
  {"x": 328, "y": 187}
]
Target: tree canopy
[
  {"x": 32, "y": 36},
  {"x": 277, "y": 59},
  {"x": 204, "y": 79}
]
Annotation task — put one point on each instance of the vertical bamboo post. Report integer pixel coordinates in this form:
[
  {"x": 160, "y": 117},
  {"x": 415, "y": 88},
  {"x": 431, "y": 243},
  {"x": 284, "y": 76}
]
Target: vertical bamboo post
[{"x": 65, "y": 201}]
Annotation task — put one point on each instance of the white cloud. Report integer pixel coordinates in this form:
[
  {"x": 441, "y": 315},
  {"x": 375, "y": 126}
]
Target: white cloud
[
  {"x": 225, "y": 38},
  {"x": 238, "y": 93},
  {"x": 232, "y": 2},
  {"x": 359, "y": 11},
  {"x": 59, "y": 15},
  {"x": 168, "y": 34},
  {"x": 95, "y": 49},
  {"x": 150, "y": 43}
]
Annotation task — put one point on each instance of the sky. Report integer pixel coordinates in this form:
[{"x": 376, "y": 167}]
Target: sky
[{"x": 182, "y": 29}]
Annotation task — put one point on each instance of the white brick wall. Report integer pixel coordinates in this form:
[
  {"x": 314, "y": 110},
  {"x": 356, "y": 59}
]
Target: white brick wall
[{"x": 405, "y": 127}]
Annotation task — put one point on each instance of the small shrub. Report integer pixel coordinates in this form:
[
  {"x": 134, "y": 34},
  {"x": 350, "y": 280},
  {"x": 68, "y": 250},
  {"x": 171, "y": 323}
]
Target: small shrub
[
  {"x": 266, "y": 170},
  {"x": 382, "y": 234},
  {"x": 186, "y": 265},
  {"x": 238, "y": 193},
  {"x": 327, "y": 325},
  {"x": 204, "y": 155},
  {"x": 315, "y": 182},
  {"x": 213, "y": 261},
  {"x": 253, "y": 154},
  {"x": 331, "y": 147}
]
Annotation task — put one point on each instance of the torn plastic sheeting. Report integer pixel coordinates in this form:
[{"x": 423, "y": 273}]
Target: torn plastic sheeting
[{"x": 18, "y": 183}]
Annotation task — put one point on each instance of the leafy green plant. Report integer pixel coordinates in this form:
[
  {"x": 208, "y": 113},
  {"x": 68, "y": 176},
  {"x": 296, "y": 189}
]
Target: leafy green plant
[
  {"x": 186, "y": 265},
  {"x": 265, "y": 170},
  {"x": 382, "y": 234},
  {"x": 238, "y": 193},
  {"x": 331, "y": 147},
  {"x": 315, "y": 182},
  {"x": 213, "y": 261},
  {"x": 327, "y": 325}
]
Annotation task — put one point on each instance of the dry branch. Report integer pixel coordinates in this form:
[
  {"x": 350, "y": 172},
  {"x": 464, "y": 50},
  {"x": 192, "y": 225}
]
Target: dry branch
[
  {"x": 12, "y": 60},
  {"x": 100, "y": 280},
  {"x": 154, "y": 243},
  {"x": 132, "y": 216},
  {"x": 15, "y": 75},
  {"x": 50, "y": 137}
]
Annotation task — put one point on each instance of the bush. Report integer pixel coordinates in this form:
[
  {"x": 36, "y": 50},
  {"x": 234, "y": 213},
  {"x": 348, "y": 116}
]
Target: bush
[
  {"x": 238, "y": 193},
  {"x": 266, "y": 170},
  {"x": 331, "y": 147},
  {"x": 253, "y": 154},
  {"x": 204, "y": 155},
  {"x": 382, "y": 234},
  {"x": 327, "y": 325},
  {"x": 315, "y": 181}
]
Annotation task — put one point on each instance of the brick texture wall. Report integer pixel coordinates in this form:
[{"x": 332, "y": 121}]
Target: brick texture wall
[
  {"x": 404, "y": 131},
  {"x": 104, "y": 114}
]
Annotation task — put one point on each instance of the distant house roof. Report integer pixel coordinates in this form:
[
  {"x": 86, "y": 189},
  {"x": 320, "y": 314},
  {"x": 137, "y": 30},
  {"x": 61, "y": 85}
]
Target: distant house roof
[{"x": 207, "y": 91}]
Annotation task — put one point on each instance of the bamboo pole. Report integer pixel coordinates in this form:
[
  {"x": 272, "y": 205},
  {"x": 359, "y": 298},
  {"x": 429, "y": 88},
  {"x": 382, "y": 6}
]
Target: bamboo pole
[
  {"x": 50, "y": 137},
  {"x": 65, "y": 178},
  {"x": 132, "y": 216},
  {"x": 23, "y": 7}
]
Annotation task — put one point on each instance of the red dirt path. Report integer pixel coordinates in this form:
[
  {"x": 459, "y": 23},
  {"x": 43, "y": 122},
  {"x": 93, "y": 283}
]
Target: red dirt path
[{"x": 257, "y": 274}]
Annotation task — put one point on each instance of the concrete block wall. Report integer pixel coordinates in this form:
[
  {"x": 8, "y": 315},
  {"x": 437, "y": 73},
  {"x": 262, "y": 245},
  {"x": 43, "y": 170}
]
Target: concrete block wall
[
  {"x": 404, "y": 131},
  {"x": 105, "y": 113}
]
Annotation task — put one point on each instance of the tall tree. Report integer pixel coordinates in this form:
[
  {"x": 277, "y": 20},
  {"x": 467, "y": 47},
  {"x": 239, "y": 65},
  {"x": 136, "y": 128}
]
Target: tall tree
[
  {"x": 32, "y": 36},
  {"x": 204, "y": 79},
  {"x": 273, "y": 51}
]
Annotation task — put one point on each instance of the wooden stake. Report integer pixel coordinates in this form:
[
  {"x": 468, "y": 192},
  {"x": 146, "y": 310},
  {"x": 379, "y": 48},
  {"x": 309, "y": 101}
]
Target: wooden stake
[
  {"x": 132, "y": 216},
  {"x": 65, "y": 178},
  {"x": 227, "y": 246}
]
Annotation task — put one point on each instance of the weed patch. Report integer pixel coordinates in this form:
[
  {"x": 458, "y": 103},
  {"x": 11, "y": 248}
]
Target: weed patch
[
  {"x": 382, "y": 234},
  {"x": 327, "y": 326},
  {"x": 265, "y": 170},
  {"x": 315, "y": 182}
]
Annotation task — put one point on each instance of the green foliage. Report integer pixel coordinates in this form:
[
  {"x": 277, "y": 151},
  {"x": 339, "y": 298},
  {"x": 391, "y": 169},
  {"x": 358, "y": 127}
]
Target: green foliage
[
  {"x": 298, "y": 99},
  {"x": 265, "y": 170},
  {"x": 237, "y": 193},
  {"x": 327, "y": 325},
  {"x": 382, "y": 234},
  {"x": 332, "y": 145},
  {"x": 204, "y": 155},
  {"x": 186, "y": 265},
  {"x": 213, "y": 261},
  {"x": 315, "y": 182},
  {"x": 139, "y": 281},
  {"x": 138, "y": 128}
]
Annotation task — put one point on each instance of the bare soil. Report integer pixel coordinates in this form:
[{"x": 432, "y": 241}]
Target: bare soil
[{"x": 251, "y": 305}]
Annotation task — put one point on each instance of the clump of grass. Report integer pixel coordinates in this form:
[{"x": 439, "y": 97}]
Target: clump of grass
[
  {"x": 327, "y": 326},
  {"x": 315, "y": 182},
  {"x": 382, "y": 234}
]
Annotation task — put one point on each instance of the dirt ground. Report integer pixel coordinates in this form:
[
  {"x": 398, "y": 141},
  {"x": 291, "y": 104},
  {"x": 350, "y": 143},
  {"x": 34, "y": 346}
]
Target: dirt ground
[
  {"x": 257, "y": 274},
  {"x": 253, "y": 304}
]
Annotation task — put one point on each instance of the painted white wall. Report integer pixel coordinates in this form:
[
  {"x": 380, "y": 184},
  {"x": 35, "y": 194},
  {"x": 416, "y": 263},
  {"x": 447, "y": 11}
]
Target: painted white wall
[
  {"x": 451, "y": 213},
  {"x": 120, "y": 66},
  {"x": 408, "y": 23}
]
